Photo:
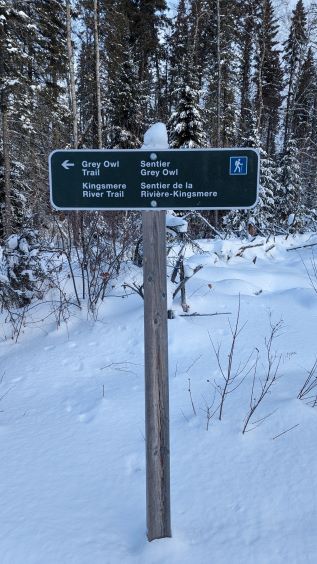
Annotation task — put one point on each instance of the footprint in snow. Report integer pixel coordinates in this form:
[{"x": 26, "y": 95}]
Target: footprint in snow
[
  {"x": 87, "y": 417},
  {"x": 133, "y": 464},
  {"x": 237, "y": 286},
  {"x": 83, "y": 410},
  {"x": 49, "y": 347},
  {"x": 77, "y": 367}
]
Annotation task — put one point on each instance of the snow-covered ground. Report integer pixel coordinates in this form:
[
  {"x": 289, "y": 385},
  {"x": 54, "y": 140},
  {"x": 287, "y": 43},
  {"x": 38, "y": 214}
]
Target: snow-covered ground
[{"x": 72, "y": 484}]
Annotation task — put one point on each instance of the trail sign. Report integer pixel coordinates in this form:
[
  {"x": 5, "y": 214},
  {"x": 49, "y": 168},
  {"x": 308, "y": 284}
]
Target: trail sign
[{"x": 214, "y": 179}]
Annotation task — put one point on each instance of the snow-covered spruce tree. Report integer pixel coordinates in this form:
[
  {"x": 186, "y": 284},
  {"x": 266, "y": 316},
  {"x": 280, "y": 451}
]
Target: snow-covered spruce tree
[
  {"x": 262, "y": 218},
  {"x": 178, "y": 48},
  {"x": 92, "y": 78},
  {"x": 289, "y": 201},
  {"x": 221, "y": 78},
  {"x": 34, "y": 116},
  {"x": 124, "y": 90},
  {"x": 294, "y": 54},
  {"x": 268, "y": 75},
  {"x": 185, "y": 125},
  {"x": 51, "y": 117},
  {"x": 147, "y": 31},
  {"x": 304, "y": 102},
  {"x": 16, "y": 98},
  {"x": 246, "y": 41},
  {"x": 22, "y": 271},
  {"x": 264, "y": 214},
  {"x": 305, "y": 128},
  {"x": 136, "y": 93},
  {"x": 201, "y": 27}
]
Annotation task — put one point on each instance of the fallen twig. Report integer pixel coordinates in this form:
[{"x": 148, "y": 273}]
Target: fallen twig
[
  {"x": 204, "y": 314},
  {"x": 301, "y": 247},
  {"x": 120, "y": 366},
  {"x": 191, "y": 397},
  {"x": 270, "y": 248},
  {"x": 242, "y": 249},
  {"x": 283, "y": 433}
]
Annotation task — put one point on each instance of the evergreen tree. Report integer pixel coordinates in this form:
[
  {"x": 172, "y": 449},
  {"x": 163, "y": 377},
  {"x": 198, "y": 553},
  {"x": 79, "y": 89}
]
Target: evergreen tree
[
  {"x": 51, "y": 115},
  {"x": 124, "y": 96},
  {"x": 92, "y": 78},
  {"x": 200, "y": 23},
  {"x": 223, "y": 71},
  {"x": 178, "y": 47},
  {"x": 246, "y": 35},
  {"x": 295, "y": 49},
  {"x": 185, "y": 126},
  {"x": 268, "y": 76},
  {"x": 16, "y": 104},
  {"x": 305, "y": 127},
  {"x": 290, "y": 197},
  {"x": 262, "y": 219},
  {"x": 148, "y": 20},
  {"x": 304, "y": 102}
]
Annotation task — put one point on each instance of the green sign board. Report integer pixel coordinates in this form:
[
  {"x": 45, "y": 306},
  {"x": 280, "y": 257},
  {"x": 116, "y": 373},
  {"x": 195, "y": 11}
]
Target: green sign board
[{"x": 214, "y": 179}]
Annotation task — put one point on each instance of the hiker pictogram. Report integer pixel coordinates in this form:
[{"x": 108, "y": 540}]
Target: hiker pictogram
[{"x": 238, "y": 165}]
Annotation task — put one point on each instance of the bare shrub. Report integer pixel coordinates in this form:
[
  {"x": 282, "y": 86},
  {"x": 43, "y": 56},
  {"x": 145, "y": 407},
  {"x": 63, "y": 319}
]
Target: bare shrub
[
  {"x": 308, "y": 391},
  {"x": 232, "y": 372},
  {"x": 312, "y": 271},
  {"x": 102, "y": 244},
  {"x": 261, "y": 386}
]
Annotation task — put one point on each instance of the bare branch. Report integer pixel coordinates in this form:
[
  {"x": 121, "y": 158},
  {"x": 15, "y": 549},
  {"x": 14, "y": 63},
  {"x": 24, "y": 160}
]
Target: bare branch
[
  {"x": 273, "y": 361},
  {"x": 232, "y": 377},
  {"x": 287, "y": 430},
  {"x": 309, "y": 385}
]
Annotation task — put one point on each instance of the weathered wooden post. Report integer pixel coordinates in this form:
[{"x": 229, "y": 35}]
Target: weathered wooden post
[{"x": 156, "y": 377}]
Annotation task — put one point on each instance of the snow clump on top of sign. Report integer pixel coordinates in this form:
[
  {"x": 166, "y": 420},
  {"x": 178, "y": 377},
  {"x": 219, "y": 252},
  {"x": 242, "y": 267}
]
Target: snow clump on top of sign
[{"x": 156, "y": 137}]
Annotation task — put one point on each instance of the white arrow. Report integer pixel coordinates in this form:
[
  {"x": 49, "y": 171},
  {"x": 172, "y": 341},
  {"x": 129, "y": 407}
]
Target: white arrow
[{"x": 67, "y": 164}]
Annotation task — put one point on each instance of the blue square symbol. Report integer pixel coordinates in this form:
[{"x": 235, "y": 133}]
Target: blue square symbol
[{"x": 238, "y": 165}]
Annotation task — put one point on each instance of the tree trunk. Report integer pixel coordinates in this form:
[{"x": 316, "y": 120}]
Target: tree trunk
[
  {"x": 7, "y": 217},
  {"x": 260, "y": 85},
  {"x": 218, "y": 123},
  {"x": 75, "y": 220},
  {"x": 219, "y": 78},
  {"x": 97, "y": 70},
  {"x": 72, "y": 86}
]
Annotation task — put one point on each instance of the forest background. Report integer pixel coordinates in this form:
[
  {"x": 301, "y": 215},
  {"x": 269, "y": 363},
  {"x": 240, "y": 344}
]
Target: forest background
[{"x": 97, "y": 74}]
